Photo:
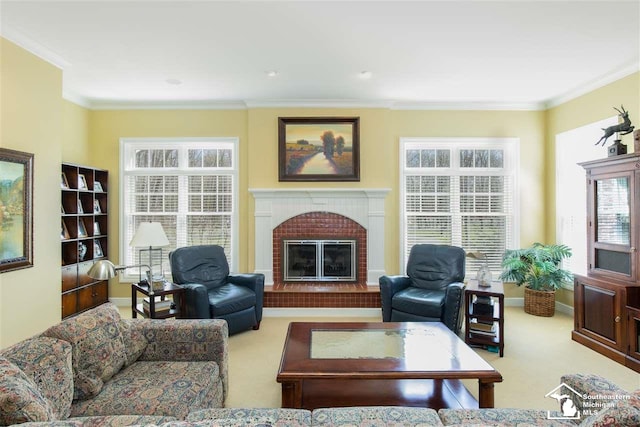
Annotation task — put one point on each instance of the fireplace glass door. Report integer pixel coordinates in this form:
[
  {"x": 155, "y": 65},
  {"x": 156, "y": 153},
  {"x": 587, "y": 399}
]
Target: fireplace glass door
[{"x": 319, "y": 260}]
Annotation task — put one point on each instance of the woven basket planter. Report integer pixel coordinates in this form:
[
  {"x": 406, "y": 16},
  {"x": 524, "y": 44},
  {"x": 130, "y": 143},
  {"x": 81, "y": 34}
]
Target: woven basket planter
[{"x": 539, "y": 303}]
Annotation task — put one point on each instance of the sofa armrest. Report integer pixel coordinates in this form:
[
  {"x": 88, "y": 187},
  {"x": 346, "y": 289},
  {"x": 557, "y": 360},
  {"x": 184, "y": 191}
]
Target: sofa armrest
[
  {"x": 188, "y": 340},
  {"x": 589, "y": 384},
  {"x": 389, "y": 285},
  {"x": 255, "y": 282}
]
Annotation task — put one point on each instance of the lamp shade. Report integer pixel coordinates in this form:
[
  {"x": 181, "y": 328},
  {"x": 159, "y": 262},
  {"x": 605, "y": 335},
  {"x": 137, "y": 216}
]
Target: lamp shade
[
  {"x": 102, "y": 270},
  {"x": 149, "y": 234}
]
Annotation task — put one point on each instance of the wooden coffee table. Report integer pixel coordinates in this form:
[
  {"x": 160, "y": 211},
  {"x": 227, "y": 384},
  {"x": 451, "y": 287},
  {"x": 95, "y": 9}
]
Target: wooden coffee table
[{"x": 367, "y": 364}]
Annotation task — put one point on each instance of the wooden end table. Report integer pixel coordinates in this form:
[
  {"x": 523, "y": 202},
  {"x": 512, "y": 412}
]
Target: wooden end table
[
  {"x": 168, "y": 289},
  {"x": 496, "y": 316}
]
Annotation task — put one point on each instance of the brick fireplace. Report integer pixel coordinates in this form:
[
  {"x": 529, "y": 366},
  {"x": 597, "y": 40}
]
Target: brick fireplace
[
  {"x": 320, "y": 214},
  {"x": 319, "y": 225}
]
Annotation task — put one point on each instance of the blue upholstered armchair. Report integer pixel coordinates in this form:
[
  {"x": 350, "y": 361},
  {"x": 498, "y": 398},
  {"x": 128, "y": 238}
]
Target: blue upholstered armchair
[
  {"x": 432, "y": 291},
  {"x": 211, "y": 292}
]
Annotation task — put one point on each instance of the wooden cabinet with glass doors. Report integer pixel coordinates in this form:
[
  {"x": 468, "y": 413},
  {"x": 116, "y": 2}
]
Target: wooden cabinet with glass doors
[{"x": 607, "y": 298}]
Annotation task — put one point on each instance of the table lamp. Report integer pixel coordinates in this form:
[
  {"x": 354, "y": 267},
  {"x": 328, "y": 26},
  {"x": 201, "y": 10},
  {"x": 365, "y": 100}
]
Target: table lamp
[{"x": 151, "y": 236}]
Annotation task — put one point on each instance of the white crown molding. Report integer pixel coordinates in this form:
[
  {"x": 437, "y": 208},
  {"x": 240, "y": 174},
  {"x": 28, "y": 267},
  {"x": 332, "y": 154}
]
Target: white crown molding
[
  {"x": 469, "y": 106},
  {"x": 167, "y": 105},
  {"x": 30, "y": 45},
  {"x": 75, "y": 98},
  {"x": 317, "y": 103},
  {"x": 602, "y": 81}
]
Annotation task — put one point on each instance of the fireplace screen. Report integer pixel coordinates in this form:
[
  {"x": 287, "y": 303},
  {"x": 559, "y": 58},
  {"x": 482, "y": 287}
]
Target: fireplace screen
[{"x": 319, "y": 260}]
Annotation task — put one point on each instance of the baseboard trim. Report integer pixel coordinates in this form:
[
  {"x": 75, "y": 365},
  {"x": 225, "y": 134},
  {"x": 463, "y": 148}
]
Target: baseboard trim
[
  {"x": 519, "y": 302},
  {"x": 121, "y": 302}
]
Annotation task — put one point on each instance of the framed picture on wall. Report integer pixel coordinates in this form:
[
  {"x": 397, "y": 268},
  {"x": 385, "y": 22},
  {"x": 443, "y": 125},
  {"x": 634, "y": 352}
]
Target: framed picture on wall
[
  {"x": 16, "y": 199},
  {"x": 319, "y": 148}
]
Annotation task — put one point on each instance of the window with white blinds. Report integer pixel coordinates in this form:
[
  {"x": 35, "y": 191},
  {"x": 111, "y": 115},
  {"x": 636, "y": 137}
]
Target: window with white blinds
[
  {"x": 188, "y": 185},
  {"x": 461, "y": 192}
]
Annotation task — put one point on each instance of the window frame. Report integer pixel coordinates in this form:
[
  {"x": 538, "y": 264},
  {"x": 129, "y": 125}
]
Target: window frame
[
  {"x": 129, "y": 145},
  {"x": 511, "y": 146}
]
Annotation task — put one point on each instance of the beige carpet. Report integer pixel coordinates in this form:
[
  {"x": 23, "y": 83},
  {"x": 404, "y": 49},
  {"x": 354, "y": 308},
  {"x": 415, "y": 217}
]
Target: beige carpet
[{"x": 538, "y": 350}]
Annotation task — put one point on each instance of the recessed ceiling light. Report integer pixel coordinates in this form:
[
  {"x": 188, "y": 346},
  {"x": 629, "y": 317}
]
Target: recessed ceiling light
[
  {"x": 174, "y": 82},
  {"x": 272, "y": 73},
  {"x": 364, "y": 75}
]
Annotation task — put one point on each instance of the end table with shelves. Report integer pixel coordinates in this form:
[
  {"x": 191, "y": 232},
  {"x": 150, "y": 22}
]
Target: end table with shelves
[
  {"x": 169, "y": 289},
  {"x": 495, "y": 316}
]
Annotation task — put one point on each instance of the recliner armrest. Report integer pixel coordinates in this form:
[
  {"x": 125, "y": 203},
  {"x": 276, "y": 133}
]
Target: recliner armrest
[
  {"x": 255, "y": 282},
  {"x": 453, "y": 300},
  {"x": 196, "y": 301},
  {"x": 389, "y": 285}
]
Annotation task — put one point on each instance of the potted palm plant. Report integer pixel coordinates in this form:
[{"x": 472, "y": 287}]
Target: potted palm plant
[{"x": 539, "y": 268}]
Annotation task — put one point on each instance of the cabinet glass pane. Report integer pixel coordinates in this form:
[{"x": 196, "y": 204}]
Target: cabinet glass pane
[
  {"x": 620, "y": 262},
  {"x": 612, "y": 211}
]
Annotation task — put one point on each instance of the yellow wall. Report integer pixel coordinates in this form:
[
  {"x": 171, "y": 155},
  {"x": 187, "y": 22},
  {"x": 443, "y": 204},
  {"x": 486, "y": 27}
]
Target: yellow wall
[
  {"x": 75, "y": 134},
  {"x": 31, "y": 121},
  {"x": 591, "y": 107},
  {"x": 34, "y": 118}
]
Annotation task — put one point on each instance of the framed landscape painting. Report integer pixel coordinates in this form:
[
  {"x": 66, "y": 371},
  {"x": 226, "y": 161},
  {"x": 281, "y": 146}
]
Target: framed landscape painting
[
  {"x": 16, "y": 215},
  {"x": 319, "y": 148}
]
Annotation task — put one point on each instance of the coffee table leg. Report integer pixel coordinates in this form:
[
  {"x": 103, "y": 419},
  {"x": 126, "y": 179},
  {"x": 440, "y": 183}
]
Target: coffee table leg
[
  {"x": 486, "y": 394},
  {"x": 291, "y": 394}
]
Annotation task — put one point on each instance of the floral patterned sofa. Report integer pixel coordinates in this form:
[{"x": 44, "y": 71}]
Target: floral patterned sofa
[{"x": 99, "y": 369}]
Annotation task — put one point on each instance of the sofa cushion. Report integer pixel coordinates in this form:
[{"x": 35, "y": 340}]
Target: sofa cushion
[
  {"x": 98, "y": 347},
  {"x": 375, "y": 416},
  {"x": 500, "y": 417},
  {"x": 20, "y": 399},
  {"x": 167, "y": 388},
  {"x": 253, "y": 416},
  {"x": 47, "y": 361},
  {"x": 134, "y": 340},
  {"x": 624, "y": 412}
]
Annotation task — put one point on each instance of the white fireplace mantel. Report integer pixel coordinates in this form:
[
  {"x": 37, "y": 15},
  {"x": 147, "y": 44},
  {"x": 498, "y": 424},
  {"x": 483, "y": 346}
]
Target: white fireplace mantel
[{"x": 274, "y": 206}]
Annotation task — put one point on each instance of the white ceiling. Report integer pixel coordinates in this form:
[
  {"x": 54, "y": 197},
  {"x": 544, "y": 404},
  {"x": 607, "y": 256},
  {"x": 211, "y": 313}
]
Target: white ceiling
[{"x": 513, "y": 53}]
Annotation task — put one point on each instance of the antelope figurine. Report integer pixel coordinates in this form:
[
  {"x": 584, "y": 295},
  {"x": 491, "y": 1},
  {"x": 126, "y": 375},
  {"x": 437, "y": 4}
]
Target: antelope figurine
[{"x": 624, "y": 127}]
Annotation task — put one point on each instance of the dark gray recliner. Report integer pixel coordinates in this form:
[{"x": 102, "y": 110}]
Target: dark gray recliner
[
  {"x": 432, "y": 291},
  {"x": 212, "y": 293}
]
